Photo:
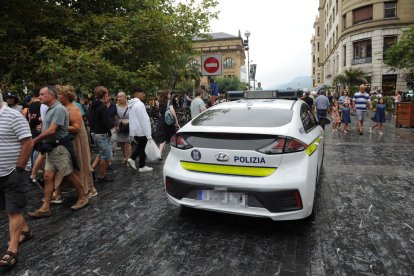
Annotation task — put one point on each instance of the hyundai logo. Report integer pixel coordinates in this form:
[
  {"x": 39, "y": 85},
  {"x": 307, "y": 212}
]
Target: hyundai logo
[{"x": 222, "y": 157}]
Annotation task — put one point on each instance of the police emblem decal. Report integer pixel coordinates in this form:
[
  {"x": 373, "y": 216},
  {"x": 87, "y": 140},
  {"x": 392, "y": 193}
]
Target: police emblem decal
[{"x": 196, "y": 155}]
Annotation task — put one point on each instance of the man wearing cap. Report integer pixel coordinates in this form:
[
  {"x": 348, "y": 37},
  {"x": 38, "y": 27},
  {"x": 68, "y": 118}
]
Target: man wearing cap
[
  {"x": 139, "y": 128},
  {"x": 12, "y": 101}
]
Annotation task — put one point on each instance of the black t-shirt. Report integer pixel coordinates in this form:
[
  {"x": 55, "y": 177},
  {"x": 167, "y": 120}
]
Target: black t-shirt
[
  {"x": 33, "y": 116},
  {"x": 309, "y": 101}
]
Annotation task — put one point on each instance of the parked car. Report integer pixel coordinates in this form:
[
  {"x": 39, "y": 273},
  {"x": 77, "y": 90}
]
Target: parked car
[{"x": 257, "y": 156}]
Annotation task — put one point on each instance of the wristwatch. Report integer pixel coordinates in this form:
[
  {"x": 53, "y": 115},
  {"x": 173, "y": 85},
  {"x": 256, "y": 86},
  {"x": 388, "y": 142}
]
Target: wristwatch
[{"x": 18, "y": 169}]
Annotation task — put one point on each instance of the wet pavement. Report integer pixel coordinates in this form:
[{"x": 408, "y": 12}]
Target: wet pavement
[{"x": 364, "y": 224}]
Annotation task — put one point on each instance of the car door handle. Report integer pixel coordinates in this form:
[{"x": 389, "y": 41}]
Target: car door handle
[{"x": 316, "y": 144}]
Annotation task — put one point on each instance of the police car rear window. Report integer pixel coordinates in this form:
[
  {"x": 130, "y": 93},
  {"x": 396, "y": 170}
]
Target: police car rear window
[{"x": 244, "y": 117}]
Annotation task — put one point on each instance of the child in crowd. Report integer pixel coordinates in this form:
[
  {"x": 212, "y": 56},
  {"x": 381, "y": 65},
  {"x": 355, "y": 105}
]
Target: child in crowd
[
  {"x": 346, "y": 116},
  {"x": 379, "y": 116},
  {"x": 336, "y": 118}
]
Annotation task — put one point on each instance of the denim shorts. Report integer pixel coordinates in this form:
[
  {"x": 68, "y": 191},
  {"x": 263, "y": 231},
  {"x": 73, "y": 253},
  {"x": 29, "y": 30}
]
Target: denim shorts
[{"x": 102, "y": 142}]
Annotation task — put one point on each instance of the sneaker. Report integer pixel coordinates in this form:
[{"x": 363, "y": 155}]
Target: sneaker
[
  {"x": 381, "y": 133},
  {"x": 370, "y": 130},
  {"x": 57, "y": 199},
  {"x": 91, "y": 194},
  {"x": 132, "y": 163},
  {"x": 145, "y": 169}
]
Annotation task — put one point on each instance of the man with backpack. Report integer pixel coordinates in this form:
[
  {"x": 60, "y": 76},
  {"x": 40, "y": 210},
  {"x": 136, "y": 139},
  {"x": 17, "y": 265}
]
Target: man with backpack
[{"x": 139, "y": 128}]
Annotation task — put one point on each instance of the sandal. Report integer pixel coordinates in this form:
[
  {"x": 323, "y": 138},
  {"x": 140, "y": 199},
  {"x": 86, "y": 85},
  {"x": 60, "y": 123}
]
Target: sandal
[{"x": 9, "y": 260}]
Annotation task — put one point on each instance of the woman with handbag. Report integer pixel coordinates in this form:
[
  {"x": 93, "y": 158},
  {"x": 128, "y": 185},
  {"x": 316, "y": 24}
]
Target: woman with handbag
[
  {"x": 122, "y": 123},
  {"x": 166, "y": 130}
]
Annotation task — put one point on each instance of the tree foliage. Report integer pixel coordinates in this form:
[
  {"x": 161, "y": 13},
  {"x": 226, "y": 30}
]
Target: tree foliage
[
  {"x": 229, "y": 84},
  {"x": 116, "y": 43},
  {"x": 351, "y": 77},
  {"x": 401, "y": 54}
]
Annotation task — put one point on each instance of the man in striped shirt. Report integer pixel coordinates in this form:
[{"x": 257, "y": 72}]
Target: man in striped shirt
[
  {"x": 360, "y": 101},
  {"x": 16, "y": 146}
]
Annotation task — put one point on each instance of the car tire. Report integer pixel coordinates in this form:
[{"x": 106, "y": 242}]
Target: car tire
[{"x": 312, "y": 217}]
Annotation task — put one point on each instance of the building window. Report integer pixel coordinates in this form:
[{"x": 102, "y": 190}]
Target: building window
[
  {"x": 319, "y": 78},
  {"x": 344, "y": 22},
  {"x": 344, "y": 56},
  {"x": 318, "y": 31},
  {"x": 318, "y": 46},
  {"x": 390, "y": 9},
  {"x": 362, "y": 52},
  {"x": 389, "y": 82},
  {"x": 362, "y": 14},
  {"x": 229, "y": 63},
  {"x": 388, "y": 42}
]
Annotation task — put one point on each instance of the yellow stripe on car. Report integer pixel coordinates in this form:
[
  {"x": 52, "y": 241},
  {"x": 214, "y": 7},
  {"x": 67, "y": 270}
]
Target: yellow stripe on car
[
  {"x": 228, "y": 169},
  {"x": 313, "y": 146}
]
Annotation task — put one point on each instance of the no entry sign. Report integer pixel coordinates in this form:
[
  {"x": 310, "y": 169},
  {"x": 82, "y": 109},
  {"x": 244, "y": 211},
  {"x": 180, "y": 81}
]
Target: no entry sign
[{"x": 211, "y": 65}]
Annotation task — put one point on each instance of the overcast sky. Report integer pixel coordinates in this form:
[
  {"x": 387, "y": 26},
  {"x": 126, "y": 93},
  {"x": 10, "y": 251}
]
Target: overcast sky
[{"x": 280, "y": 35}]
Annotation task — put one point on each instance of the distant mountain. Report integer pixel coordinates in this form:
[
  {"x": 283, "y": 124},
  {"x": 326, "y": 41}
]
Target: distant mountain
[{"x": 296, "y": 83}]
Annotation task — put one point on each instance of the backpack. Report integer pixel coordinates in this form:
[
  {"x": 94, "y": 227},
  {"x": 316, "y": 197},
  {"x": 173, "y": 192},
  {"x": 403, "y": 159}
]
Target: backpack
[{"x": 169, "y": 118}]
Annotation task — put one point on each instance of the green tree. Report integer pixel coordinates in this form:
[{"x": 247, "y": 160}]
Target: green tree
[
  {"x": 229, "y": 84},
  {"x": 184, "y": 70},
  {"x": 117, "y": 43},
  {"x": 351, "y": 78},
  {"x": 401, "y": 55}
]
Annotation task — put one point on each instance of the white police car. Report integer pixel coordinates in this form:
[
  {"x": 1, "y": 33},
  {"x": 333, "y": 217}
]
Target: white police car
[{"x": 255, "y": 157}]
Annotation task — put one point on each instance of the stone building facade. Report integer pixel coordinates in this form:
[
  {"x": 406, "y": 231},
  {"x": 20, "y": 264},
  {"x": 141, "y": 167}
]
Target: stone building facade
[
  {"x": 231, "y": 49},
  {"x": 355, "y": 34}
]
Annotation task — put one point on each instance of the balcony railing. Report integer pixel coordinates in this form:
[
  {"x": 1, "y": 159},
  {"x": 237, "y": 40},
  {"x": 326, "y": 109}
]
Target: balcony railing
[{"x": 361, "y": 60}]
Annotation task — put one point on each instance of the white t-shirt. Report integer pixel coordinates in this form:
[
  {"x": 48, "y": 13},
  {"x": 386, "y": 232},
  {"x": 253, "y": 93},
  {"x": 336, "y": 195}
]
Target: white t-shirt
[{"x": 13, "y": 128}]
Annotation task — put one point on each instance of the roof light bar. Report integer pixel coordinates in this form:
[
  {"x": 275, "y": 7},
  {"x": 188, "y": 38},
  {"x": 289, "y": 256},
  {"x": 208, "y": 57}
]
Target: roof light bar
[{"x": 288, "y": 94}]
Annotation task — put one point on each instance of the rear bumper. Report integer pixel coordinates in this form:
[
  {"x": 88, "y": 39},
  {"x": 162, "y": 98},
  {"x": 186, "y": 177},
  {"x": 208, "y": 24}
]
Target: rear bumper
[{"x": 277, "y": 205}]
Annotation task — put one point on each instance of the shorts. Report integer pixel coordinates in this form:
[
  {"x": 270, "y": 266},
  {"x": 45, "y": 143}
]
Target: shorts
[
  {"x": 59, "y": 159},
  {"x": 361, "y": 114},
  {"x": 13, "y": 192},
  {"x": 102, "y": 142}
]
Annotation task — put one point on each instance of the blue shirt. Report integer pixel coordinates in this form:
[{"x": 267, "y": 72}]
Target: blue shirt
[
  {"x": 214, "y": 89},
  {"x": 361, "y": 100},
  {"x": 322, "y": 102}
]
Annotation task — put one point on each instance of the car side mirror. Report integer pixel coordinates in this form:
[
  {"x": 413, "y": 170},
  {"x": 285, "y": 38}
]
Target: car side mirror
[{"x": 324, "y": 121}]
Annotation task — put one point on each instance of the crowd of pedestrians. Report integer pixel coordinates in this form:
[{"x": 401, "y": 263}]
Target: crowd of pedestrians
[
  {"x": 50, "y": 140},
  {"x": 341, "y": 108}
]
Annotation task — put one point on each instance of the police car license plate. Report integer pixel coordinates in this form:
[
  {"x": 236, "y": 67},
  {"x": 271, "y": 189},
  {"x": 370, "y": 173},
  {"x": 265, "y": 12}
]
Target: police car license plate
[{"x": 221, "y": 197}]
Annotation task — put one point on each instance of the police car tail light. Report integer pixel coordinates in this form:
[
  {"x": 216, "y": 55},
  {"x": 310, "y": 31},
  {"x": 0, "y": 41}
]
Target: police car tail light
[
  {"x": 274, "y": 148},
  {"x": 283, "y": 145},
  {"x": 178, "y": 141},
  {"x": 293, "y": 145}
]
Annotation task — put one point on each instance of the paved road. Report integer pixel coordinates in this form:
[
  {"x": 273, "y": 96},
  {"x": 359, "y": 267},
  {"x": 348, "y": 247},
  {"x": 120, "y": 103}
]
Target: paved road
[{"x": 364, "y": 224}]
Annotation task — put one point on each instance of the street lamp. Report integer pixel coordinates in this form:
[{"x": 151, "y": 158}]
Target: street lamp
[{"x": 246, "y": 48}]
